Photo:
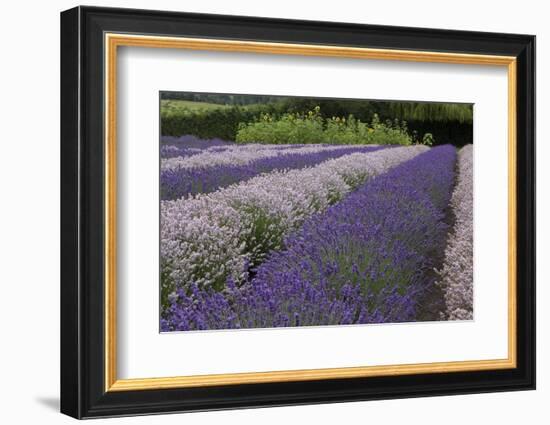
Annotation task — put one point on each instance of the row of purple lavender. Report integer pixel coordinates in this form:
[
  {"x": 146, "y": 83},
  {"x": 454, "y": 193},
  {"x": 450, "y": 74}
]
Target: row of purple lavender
[{"x": 366, "y": 257}]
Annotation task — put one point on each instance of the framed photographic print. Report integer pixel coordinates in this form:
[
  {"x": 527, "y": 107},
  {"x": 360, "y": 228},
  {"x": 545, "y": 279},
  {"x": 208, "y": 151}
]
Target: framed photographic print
[{"x": 261, "y": 212}]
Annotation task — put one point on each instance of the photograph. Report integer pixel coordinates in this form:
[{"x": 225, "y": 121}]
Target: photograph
[{"x": 287, "y": 211}]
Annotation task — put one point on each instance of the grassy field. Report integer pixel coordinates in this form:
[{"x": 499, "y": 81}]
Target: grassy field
[{"x": 168, "y": 105}]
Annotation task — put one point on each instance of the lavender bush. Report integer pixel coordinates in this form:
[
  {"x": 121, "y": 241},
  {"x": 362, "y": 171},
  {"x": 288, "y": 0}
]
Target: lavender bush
[
  {"x": 209, "y": 238},
  {"x": 456, "y": 276},
  {"x": 364, "y": 260},
  {"x": 184, "y": 146},
  {"x": 291, "y": 302},
  {"x": 173, "y": 151}
]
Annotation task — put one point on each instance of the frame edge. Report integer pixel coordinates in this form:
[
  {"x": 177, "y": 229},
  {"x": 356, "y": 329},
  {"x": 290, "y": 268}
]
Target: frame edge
[
  {"x": 526, "y": 202},
  {"x": 70, "y": 380}
]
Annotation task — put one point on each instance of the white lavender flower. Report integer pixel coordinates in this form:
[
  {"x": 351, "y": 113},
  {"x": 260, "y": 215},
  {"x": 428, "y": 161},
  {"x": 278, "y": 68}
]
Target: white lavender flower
[{"x": 456, "y": 276}]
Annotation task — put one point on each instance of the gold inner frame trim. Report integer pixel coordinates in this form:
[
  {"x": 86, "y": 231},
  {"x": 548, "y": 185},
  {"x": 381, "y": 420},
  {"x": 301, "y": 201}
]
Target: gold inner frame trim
[{"x": 113, "y": 41}]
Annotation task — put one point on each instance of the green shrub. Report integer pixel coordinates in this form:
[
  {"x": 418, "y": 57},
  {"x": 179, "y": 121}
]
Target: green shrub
[
  {"x": 389, "y": 132},
  {"x": 296, "y": 128},
  {"x": 346, "y": 131},
  {"x": 428, "y": 139},
  {"x": 286, "y": 129},
  {"x": 208, "y": 123}
]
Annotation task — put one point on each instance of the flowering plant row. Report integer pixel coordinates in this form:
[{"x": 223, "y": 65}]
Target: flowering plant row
[
  {"x": 210, "y": 238},
  {"x": 457, "y": 273}
]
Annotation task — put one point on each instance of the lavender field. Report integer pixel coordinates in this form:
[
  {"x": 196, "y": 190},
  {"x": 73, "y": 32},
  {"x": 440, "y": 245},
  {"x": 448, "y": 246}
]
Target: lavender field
[
  {"x": 259, "y": 235},
  {"x": 285, "y": 211}
]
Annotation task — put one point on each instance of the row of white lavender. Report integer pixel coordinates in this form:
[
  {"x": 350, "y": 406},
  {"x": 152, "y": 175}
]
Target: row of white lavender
[
  {"x": 209, "y": 238},
  {"x": 457, "y": 272},
  {"x": 243, "y": 154}
]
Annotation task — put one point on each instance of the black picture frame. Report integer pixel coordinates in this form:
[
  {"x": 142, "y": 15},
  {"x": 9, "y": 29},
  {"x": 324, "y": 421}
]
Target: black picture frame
[{"x": 83, "y": 392}]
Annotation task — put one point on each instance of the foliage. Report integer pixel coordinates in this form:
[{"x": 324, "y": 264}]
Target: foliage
[
  {"x": 215, "y": 122},
  {"x": 310, "y": 127},
  {"x": 287, "y": 129},
  {"x": 428, "y": 139},
  {"x": 402, "y": 110},
  {"x": 174, "y": 106},
  {"x": 432, "y": 111},
  {"x": 219, "y": 115}
]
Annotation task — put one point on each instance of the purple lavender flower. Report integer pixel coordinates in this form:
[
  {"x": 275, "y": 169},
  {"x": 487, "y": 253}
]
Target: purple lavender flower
[{"x": 185, "y": 146}]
